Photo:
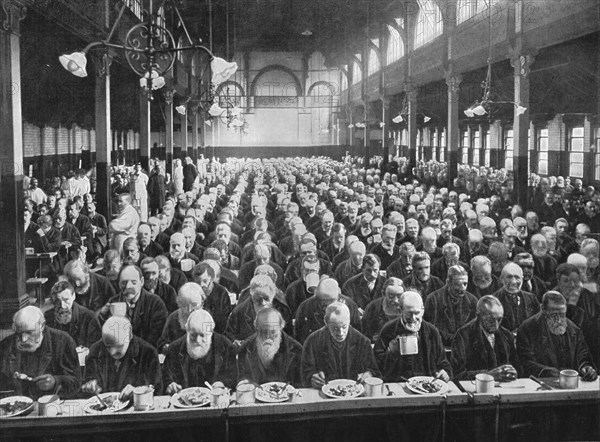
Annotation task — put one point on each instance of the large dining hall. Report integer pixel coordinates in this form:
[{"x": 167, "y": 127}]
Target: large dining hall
[{"x": 300, "y": 220}]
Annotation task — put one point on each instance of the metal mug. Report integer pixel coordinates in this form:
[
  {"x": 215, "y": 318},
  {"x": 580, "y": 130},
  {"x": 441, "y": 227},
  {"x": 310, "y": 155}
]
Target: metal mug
[
  {"x": 219, "y": 397},
  {"x": 312, "y": 281},
  {"x": 82, "y": 353},
  {"x": 409, "y": 345},
  {"x": 143, "y": 398},
  {"x": 187, "y": 265},
  {"x": 568, "y": 379},
  {"x": 484, "y": 383},
  {"x": 373, "y": 387},
  {"x": 49, "y": 405},
  {"x": 118, "y": 308},
  {"x": 244, "y": 394}
]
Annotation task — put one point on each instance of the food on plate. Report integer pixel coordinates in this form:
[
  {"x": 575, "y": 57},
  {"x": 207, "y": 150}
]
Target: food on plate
[
  {"x": 427, "y": 385},
  {"x": 194, "y": 397},
  {"x": 347, "y": 390},
  {"x": 274, "y": 390},
  {"x": 112, "y": 403},
  {"x": 13, "y": 407}
]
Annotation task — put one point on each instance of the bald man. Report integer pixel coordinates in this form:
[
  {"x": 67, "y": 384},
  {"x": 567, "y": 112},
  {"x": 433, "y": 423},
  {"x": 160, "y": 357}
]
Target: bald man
[
  {"x": 121, "y": 361},
  {"x": 337, "y": 351},
  {"x": 518, "y": 304},
  {"x": 202, "y": 355},
  {"x": 189, "y": 299},
  {"x": 310, "y": 313},
  {"x": 425, "y": 357},
  {"x": 45, "y": 354},
  {"x": 270, "y": 354}
]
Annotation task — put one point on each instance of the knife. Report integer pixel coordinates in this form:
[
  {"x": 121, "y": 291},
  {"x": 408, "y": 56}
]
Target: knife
[{"x": 542, "y": 383}]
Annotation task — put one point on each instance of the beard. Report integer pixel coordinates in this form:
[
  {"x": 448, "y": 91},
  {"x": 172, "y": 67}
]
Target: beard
[
  {"x": 390, "y": 309},
  {"x": 63, "y": 315},
  {"x": 80, "y": 290},
  {"x": 413, "y": 326},
  {"x": 30, "y": 346},
  {"x": 197, "y": 351},
  {"x": 556, "y": 326},
  {"x": 483, "y": 281},
  {"x": 267, "y": 349},
  {"x": 150, "y": 284},
  {"x": 112, "y": 275}
]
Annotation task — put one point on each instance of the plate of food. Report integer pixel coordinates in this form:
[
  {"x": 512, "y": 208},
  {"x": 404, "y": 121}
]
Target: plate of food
[
  {"x": 15, "y": 405},
  {"x": 273, "y": 392},
  {"x": 342, "y": 389},
  {"x": 93, "y": 405},
  {"x": 427, "y": 385},
  {"x": 192, "y": 397}
]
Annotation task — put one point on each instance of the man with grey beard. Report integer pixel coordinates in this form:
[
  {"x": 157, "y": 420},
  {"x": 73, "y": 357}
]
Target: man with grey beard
[
  {"x": 548, "y": 342},
  {"x": 200, "y": 356},
  {"x": 67, "y": 315},
  {"x": 269, "y": 354},
  {"x": 381, "y": 310}
]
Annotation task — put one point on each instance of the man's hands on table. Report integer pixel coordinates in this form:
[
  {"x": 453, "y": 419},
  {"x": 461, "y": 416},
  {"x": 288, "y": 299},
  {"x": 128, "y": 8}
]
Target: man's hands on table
[
  {"x": 45, "y": 382},
  {"x": 504, "y": 373},
  {"x": 91, "y": 387},
  {"x": 588, "y": 373},
  {"x": 317, "y": 380}
]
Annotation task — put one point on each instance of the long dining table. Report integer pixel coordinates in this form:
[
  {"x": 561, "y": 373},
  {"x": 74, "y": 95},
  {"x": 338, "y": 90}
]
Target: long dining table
[{"x": 459, "y": 414}]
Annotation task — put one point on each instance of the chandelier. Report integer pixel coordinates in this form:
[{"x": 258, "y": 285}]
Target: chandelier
[
  {"x": 150, "y": 50},
  {"x": 403, "y": 114}
]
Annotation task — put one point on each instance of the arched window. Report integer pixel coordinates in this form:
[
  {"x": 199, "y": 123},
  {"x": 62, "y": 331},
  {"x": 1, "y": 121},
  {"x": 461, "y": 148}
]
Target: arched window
[
  {"x": 374, "y": 64},
  {"x": 395, "y": 46},
  {"x": 470, "y": 8},
  {"x": 357, "y": 70},
  {"x": 429, "y": 23}
]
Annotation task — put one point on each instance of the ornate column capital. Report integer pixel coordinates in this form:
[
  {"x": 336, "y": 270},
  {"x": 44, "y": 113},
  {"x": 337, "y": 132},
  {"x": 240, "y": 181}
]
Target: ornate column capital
[
  {"x": 168, "y": 94},
  {"x": 453, "y": 82},
  {"x": 12, "y": 12},
  {"x": 102, "y": 61},
  {"x": 522, "y": 63},
  {"x": 385, "y": 102}
]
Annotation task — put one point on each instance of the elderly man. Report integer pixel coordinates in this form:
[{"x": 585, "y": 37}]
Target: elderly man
[
  {"x": 68, "y": 316},
  {"x": 335, "y": 243},
  {"x": 303, "y": 288},
  {"x": 422, "y": 351},
  {"x": 131, "y": 252},
  {"x": 402, "y": 267},
  {"x": 387, "y": 250},
  {"x": 337, "y": 351},
  {"x": 518, "y": 304},
  {"x": 531, "y": 282},
  {"x": 353, "y": 265},
  {"x": 45, "y": 354},
  {"x": 126, "y": 223},
  {"x": 451, "y": 307},
  {"x": 174, "y": 277},
  {"x": 450, "y": 257},
  {"x": 154, "y": 285},
  {"x": 383, "y": 309},
  {"x": 545, "y": 265},
  {"x": 189, "y": 299},
  {"x": 367, "y": 285},
  {"x": 270, "y": 354},
  {"x": 484, "y": 346},
  {"x": 91, "y": 290},
  {"x": 178, "y": 253},
  {"x": 147, "y": 312},
  {"x": 262, "y": 255},
  {"x": 148, "y": 246},
  {"x": 240, "y": 324},
  {"x": 482, "y": 282},
  {"x": 421, "y": 278},
  {"x": 549, "y": 342},
  {"x": 216, "y": 297},
  {"x": 309, "y": 315},
  {"x": 121, "y": 361},
  {"x": 202, "y": 355}
]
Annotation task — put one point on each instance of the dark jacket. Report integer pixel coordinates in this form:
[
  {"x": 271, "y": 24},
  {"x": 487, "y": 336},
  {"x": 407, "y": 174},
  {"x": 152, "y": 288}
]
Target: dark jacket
[
  {"x": 84, "y": 327},
  {"x": 318, "y": 354},
  {"x": 217, "y": 365},
  {"x": 139, "y": 366},
  {"x": 101, "y": 290},
  {"x": 56, "y": 356},
  {"x": 440, "y": 311},
  {"x": 374, "y": 319},
  {"x": 384, "y": 256},
  {"x": 168, "y": 295},
  {"x": 434, "y": 283},
  {"x": 219, "y": 306},
  {"x": 99, "y": 221},
  {"x": 537, "y": 350},
  {"x": 514, "y": 315},
  {"x": 473, "y": 354},
  {"x": 285, "y": 366},
  {"x": 356, "y": 289},
  {"x": 149, "y": 316},
  {"x": 430, "y": 359},
  {"x": 240, "y": 324}
]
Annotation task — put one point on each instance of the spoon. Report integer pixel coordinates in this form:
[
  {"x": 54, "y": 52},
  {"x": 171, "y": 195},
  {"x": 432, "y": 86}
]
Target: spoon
[
  {"x": 210, "y": 387},
  {"x": 101, "y": 401}
]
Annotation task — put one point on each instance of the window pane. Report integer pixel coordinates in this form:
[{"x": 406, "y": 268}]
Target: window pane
[
  {"x": 543, "y": 167},
  {"x": 577, "y": 170},
  {"x": 577, "y": 158},
  {"x": 577, "y": 132},
  {"x": 577, "y": 144}
]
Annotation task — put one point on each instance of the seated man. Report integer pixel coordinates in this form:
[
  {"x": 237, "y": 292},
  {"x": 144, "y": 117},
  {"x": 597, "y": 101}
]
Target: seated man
[
  {"x": 216, "y": 297},
  {"x": 518, "y": 304},
  {"x": 423, "y": 353},
  {"x": 531, "y": 282},
  {"x": 240, "y": 324},
  {"x": 270, "y": 354},
  {"x": 45, "y": 354},
  {"x": 353, "y": 265},
  {"x": 387, "y": 250},
  {"x": 174, "y": 277},
  {"x": 154, "y": 285},
  {"x": 121, "y": 361},
  {"x": 450, "y": 255},
  {"x": 421, "y": 278},
  {"x": 202, "y": 355},
  {"x": 178, "y": 253},
  {"x": 383, "y": 309},
  {"x": 484, "y": 346},
  {"x": 189, "y": 299},
  {"x": 91, "y": 290},
  {"x": 482, "y": 282},
  {"x": 67, "y": 315},
  {"x": 367, "y": 285},
  {"x": 146, "y": 311},
  {"x": 303, "y": 288},
  {"x": 309, "y": 315},
  {"x": 548, "y": 342},
  {"x": 337, "y": 351},
  {"x": 402, "y": 267},
  {"x": 451, "y": 307}
]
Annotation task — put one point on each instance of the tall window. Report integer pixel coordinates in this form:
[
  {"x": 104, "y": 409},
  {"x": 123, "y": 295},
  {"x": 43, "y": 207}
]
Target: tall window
[
  {"x": 374, "y": 64},
  {"x": 357, "y": 70},
  {"x": 434, "y": 144},
  {"x": 576, "y": 152},
  {"x": 470, "y": 8},
  {"x": 542, "y": 147},
  {"x": 465, "y": 147},
  {"x": 508, "y": 149},
  {"x": 475, "y": 147},
  {"x": 443, "y": 145},
  {"x": 395, "y": 46},
  {"x": 597, "y": 145},
  {"x": 429, "y": 23},
  {"x": 486, "y": 147},
  {"x": 530, "y": 144}
]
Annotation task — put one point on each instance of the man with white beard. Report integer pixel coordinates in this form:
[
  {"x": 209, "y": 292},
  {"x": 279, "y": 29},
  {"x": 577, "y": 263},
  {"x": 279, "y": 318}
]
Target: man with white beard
[
  {"x": 381, "y": 310},
  {"x": 423, "y": 354},
  {"x": 67, "y": 315},
  {"x": 482, "y": 282},
  {"x": 189, "y": 299},
  {"x": 270, "y": 354},
  {"x": 200, "y": 356},
  {"x": 549, "y": 342}
]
